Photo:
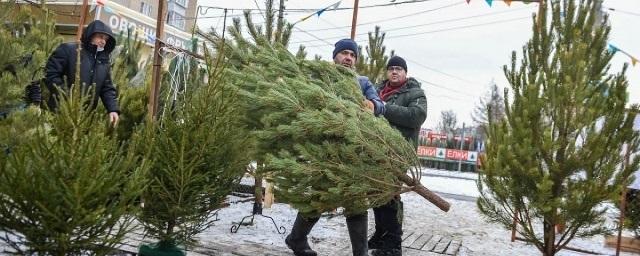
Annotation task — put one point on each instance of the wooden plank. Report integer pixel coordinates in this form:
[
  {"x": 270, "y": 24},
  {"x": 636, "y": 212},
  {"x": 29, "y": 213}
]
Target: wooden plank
[
  {"x": 627, "y": 244},
  {"x": 420, "y": 242},
  {"x": 432, "y": 243},
  {"x": 268, "y": 195},
  {"x": 442, "y": 245},
  {"x": 406, "y": 234},
  {"x": 453, "y": 248},
  {"x": 411, "y": 238}
]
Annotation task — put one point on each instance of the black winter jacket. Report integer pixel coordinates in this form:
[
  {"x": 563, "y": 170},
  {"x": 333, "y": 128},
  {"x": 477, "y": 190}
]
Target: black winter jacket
[
  {"x": 94, "y": 68},
  {"x": 406, "y": 109}
]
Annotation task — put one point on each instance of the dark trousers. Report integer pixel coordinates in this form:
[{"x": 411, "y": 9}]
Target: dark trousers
[{"x": 388, "y": 219}]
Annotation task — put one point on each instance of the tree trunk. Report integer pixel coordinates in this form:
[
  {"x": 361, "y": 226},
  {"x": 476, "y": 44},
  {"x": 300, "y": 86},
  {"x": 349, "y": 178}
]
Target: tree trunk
[
  {"x": 549, "y": 238},
  {"x": 426, "y": 193}
]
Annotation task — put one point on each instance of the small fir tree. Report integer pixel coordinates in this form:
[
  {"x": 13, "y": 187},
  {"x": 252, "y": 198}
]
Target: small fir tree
[
  {"x": 554, "y": 158},
  {"x": 128, "y": 75},
  {"x": 27, "y": 37},
  {"x": 198, "y": 151},
  {"x": 68, "y": 188},
  {"x": 373, "y": 64}
]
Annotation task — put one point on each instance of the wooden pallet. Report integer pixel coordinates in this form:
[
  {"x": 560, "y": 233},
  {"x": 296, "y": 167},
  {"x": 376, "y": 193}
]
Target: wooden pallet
[{"x": 418, "y": 243}]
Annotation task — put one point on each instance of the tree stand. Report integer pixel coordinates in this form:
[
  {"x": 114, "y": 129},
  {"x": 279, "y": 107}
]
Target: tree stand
[
  {"x": 257, "y": 210},
  {"x": 161, "y": 248}
]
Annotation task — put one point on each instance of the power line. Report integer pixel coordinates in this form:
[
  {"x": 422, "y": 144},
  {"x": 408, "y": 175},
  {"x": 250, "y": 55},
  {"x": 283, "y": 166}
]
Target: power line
[
  {"x": 430, "y": 31},
  {"x": 443, "y": 87},
  {"x": 425, "y": 24},
  {"x": 621, "y": 11},
  {"x": 440, "y": 72},
  {"x": 460, "y": 27},
  {"x": 302, "y": 10},
  {"x": 390, "y": 19},
  {"x": 312, "y": 35}
]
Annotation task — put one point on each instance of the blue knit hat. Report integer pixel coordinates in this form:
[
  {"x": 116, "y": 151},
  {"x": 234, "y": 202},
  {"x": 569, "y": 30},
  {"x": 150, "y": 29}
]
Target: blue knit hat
[{"x": 345, "y": 44}]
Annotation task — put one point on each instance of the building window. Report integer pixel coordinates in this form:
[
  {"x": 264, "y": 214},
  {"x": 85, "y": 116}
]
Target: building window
[
  {"x": 145, "y": 9},
  {"x": 182, "y": 3},
  {"x": 176, "y": 20}
]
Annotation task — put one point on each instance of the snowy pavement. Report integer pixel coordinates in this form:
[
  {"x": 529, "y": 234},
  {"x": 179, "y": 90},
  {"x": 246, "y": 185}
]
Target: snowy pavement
[{"x": 329, "y": 236}]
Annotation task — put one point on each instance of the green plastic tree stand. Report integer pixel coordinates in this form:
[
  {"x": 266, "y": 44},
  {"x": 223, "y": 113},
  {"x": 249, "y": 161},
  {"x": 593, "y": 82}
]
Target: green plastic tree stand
[{"x": 161, "y": 249}]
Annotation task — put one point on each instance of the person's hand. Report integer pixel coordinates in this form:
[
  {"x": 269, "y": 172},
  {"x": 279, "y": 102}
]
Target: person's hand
[
  {"x": 369, "y": 105},
  {"x": 114, "y": 118}
]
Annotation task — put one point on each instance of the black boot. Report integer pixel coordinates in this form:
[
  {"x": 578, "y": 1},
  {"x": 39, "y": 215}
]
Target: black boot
[
  {"x": 375, "y": 242},
  {"x": 357, "y": 226},
  {"x": 387, "y": 252},
  {"x": 297, "y": 240},
  {"x": 389, "y": 217}
]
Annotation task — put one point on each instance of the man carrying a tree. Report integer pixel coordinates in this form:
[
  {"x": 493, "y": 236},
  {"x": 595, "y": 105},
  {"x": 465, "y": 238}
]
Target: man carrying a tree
[
  {"x": 344, "y": 54},
  {"x": 95, "y": 70},
  {"x": 406, "y": 110}
]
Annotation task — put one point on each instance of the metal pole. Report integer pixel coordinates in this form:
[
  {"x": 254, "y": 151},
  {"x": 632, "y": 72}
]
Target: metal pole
[
  {"x": 354, "y": 20},
  {"x": 461, "y": 144},
  {"x": 157, "y": 63},
  {"x": 83, "y": 17},
  {"x": 98, "y": 12}
]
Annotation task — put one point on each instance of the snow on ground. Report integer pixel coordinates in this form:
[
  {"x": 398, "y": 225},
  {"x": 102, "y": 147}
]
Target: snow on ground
[{"x": 329, "y": 236}]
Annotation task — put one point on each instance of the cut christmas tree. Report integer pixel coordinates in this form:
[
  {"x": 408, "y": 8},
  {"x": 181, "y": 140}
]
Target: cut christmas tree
[{"x": 321, "y": 148}]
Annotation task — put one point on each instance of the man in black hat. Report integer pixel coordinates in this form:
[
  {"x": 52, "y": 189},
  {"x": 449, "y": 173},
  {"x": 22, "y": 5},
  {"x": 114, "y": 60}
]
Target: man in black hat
[
  {"x": 345, "y": 54},
  {"x": 406, "y": 110},
  {"x": 95, "y": 70}
]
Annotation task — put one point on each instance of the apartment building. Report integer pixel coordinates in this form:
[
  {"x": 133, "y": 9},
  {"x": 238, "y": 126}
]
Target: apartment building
[{"x": 137, "y": 16}]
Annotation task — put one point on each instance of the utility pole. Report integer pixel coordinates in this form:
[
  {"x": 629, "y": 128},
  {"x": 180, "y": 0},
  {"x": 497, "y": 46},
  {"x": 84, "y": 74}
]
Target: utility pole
[
  {"x": 281, "y": 11},
  {"x": 280, "y": 23},
  {"x": 461, "y": 144},
  {"x": 354, "y": 20},
  {"x": 157, "y": 64},
  {"x": 83, "y": 17}
]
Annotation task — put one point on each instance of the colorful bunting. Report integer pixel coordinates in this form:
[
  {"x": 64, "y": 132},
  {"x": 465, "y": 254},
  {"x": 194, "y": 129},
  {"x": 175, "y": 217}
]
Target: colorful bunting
[
  {"x": 508, "y": 2},
  {"x": 468, "y": 1},
  {"x": 614, "y": 49},
  {"x": 321, "y": 11},
  {"x": 489, "y": 2}
]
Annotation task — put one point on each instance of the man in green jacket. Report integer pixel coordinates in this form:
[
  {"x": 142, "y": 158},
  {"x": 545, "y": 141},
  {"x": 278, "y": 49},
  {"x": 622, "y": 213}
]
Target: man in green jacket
[{"x": 406, "y": 110}]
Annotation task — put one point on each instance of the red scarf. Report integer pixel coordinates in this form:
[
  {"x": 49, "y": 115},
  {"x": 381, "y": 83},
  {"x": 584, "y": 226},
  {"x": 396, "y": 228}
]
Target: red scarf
[{"x": 389, "y": 90}]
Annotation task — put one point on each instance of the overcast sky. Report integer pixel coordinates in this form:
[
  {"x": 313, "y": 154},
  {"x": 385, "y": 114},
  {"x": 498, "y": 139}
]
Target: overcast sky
[{"x": 455, "y": 49}]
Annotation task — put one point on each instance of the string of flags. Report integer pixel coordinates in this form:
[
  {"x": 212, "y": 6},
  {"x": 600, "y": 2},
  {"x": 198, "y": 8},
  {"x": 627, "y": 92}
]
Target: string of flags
[
  {"x": 320, "y": 12},
  {"x": 508, "y": 2},
  {"x": 615, "y": 49}
]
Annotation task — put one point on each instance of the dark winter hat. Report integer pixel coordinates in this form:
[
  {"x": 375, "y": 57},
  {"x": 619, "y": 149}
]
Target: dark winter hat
[
  {"x": 345, "y": 44},
  {"x": 398, "y": 62}
]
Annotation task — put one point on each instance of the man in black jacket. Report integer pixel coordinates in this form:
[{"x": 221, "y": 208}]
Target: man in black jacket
[
  {"x": 95, "y": 71},
  {"x": 406, "y": 110}
]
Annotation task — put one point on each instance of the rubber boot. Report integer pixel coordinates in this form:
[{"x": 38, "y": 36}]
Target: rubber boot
[
  {"x": 297, "y": 239},
  {"x": 357, "y": 226}
]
